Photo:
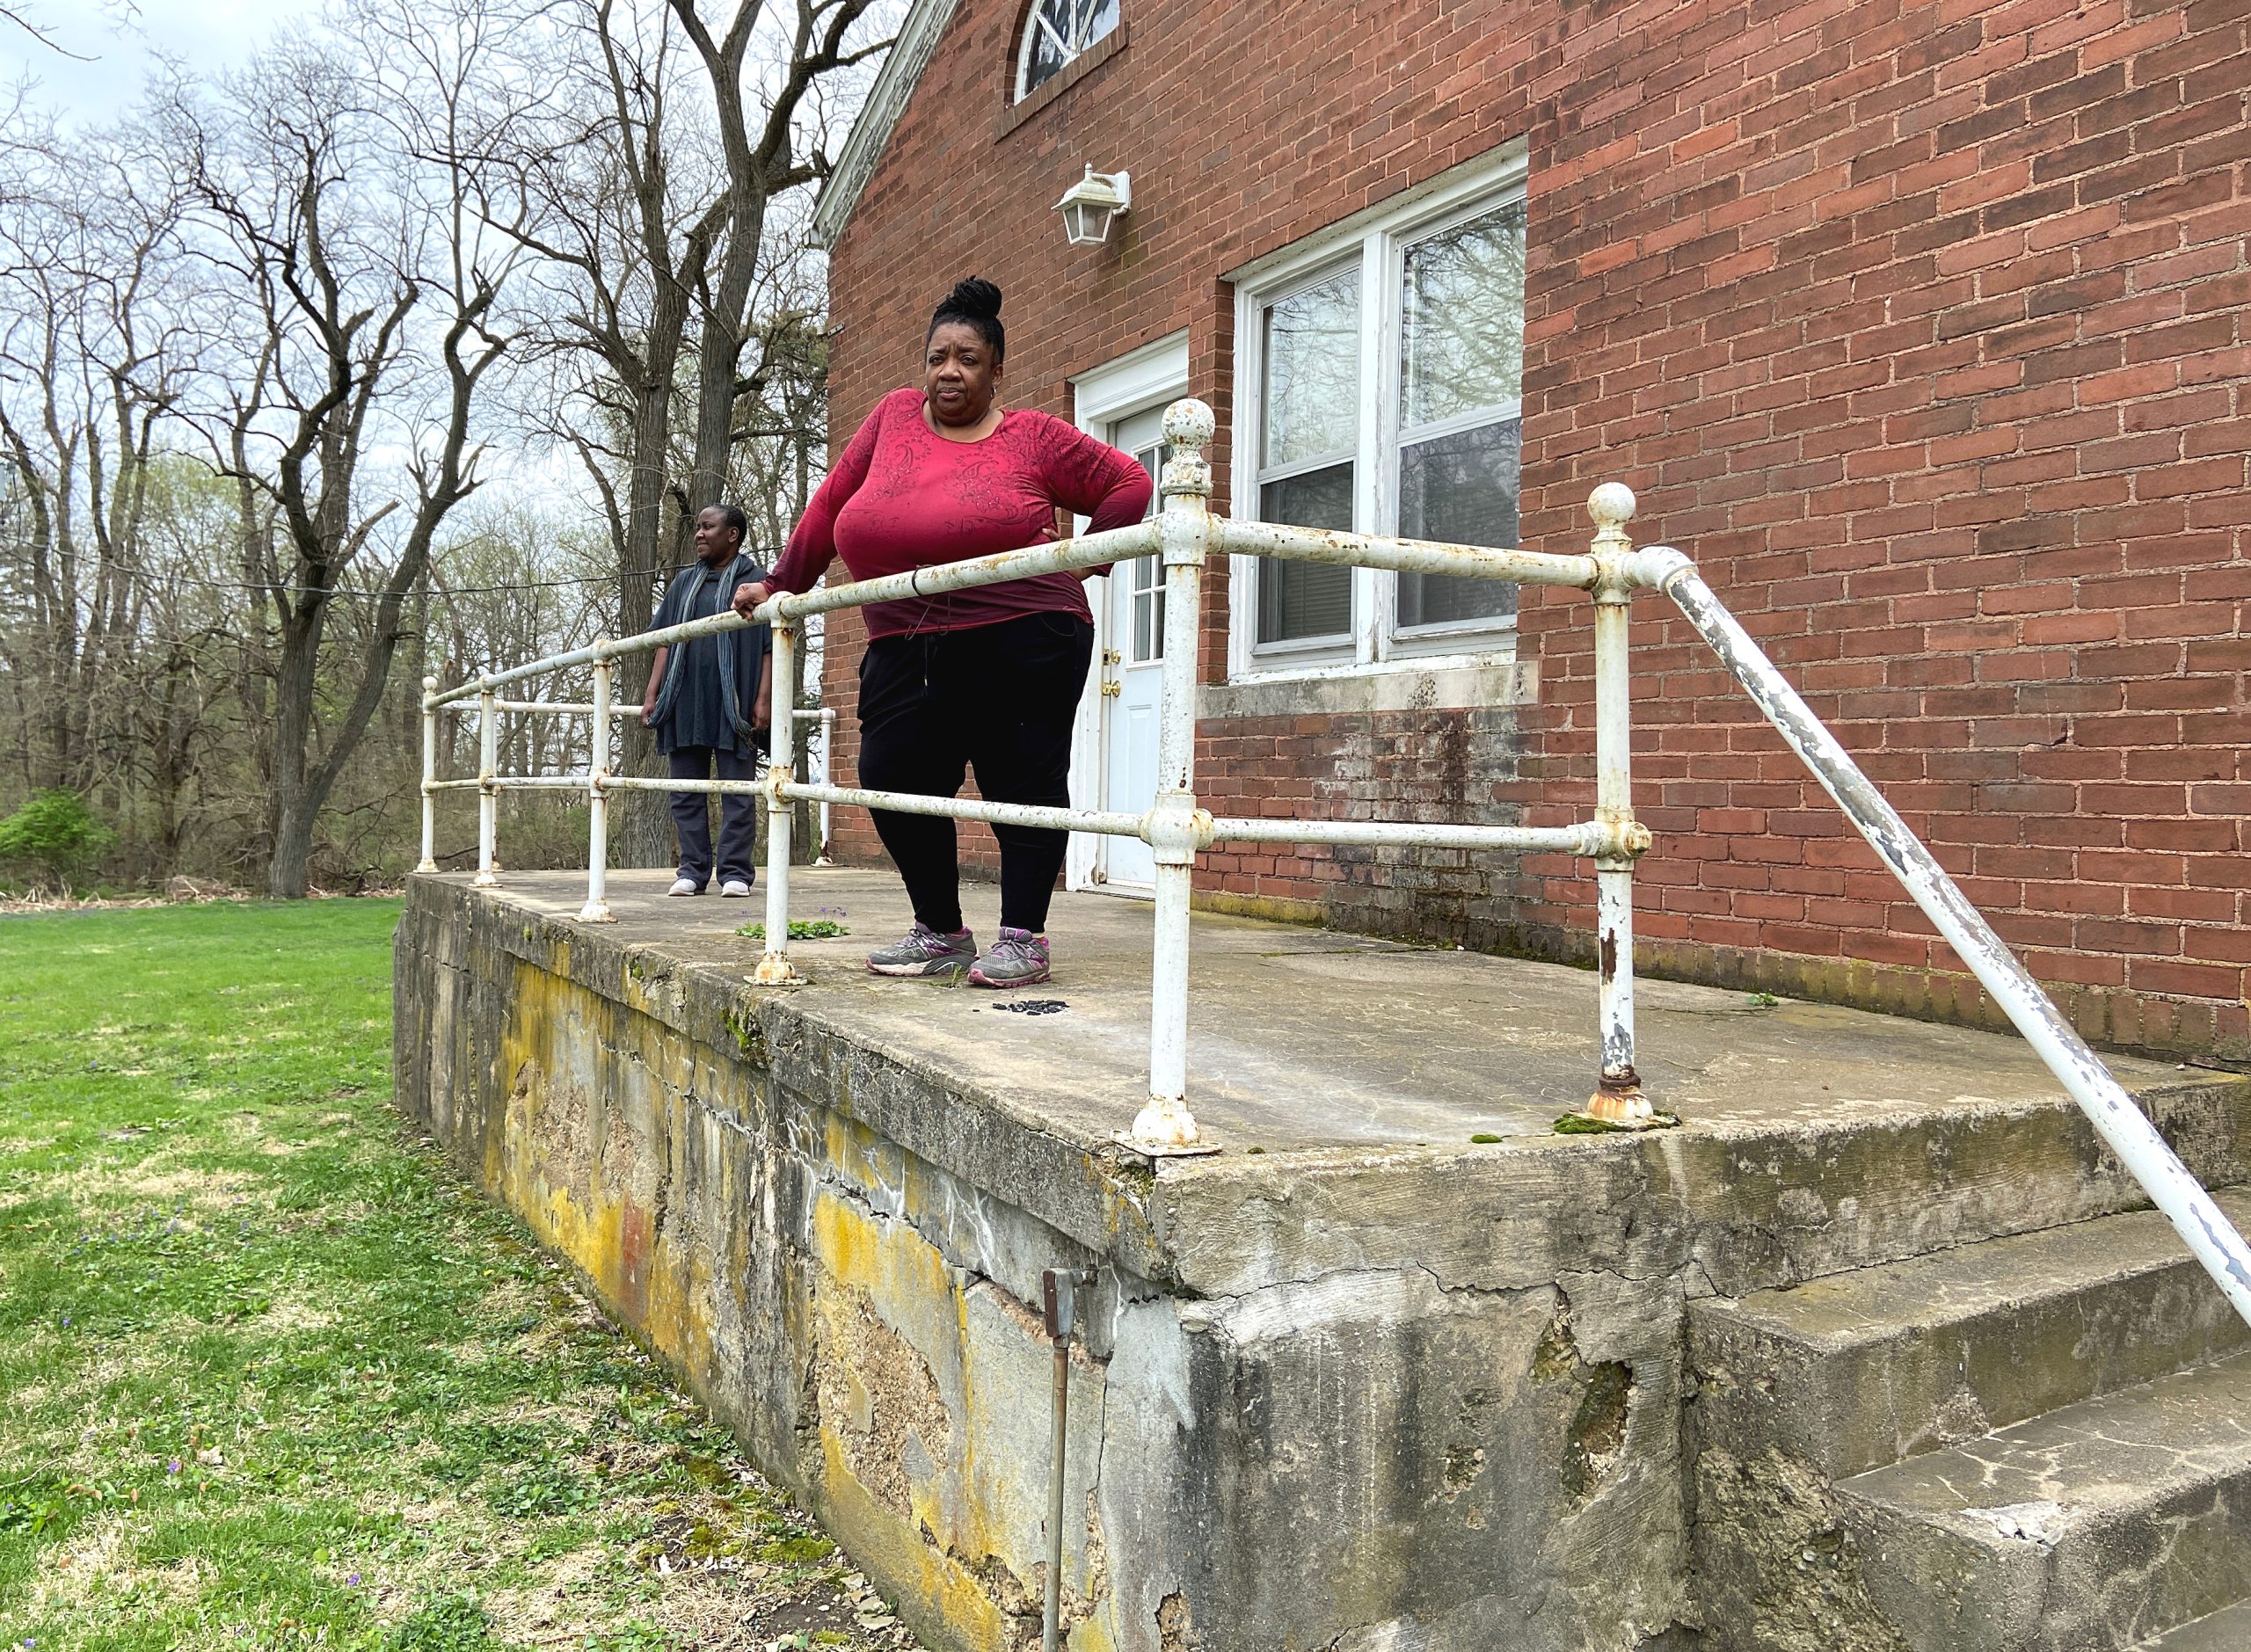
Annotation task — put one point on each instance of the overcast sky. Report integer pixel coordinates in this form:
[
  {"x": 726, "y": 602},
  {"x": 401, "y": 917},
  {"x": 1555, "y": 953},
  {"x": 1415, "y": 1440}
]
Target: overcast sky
[{"x": 122, "y": 41}]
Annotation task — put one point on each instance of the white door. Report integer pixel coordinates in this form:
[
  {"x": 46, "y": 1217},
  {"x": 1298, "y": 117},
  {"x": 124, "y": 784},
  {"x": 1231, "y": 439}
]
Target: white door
[{"x": 1133, "y": 660}]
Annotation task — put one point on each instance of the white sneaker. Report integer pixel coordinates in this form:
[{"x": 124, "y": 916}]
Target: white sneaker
[
  {"x": 733, "y": 889},
  {"x": 683, "y": 887}
]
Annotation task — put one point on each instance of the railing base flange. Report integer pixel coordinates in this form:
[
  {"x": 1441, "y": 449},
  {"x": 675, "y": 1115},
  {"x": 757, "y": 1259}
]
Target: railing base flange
[{"x": 1624, "y": 1109}]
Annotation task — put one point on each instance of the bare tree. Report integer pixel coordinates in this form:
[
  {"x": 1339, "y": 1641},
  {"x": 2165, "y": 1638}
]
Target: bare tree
[
  {"x": 765, "y": 158},
  {"x": 254, "y": 348},
  {"x": 93, "y": 361},
  {"x": 343, "y": 248},
  {"x": 647, "y": 192}
]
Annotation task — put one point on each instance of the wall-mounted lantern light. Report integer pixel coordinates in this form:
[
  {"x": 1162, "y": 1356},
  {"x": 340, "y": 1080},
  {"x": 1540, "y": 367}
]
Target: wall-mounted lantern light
[{"x": 1089, "y": 205}]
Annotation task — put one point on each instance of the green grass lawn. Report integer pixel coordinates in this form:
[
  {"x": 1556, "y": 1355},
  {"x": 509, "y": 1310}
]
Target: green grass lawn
[{"x": 272, "y": 1375}]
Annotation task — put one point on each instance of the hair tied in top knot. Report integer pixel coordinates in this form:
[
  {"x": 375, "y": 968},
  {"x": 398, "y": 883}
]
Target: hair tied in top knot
[
  {"x": 975, "y": 297},
  {"x": 975, "y": 303}
]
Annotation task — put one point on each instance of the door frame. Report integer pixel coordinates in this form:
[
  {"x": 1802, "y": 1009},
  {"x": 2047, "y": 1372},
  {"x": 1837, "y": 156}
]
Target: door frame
[{"x": 1151, "y": 377}]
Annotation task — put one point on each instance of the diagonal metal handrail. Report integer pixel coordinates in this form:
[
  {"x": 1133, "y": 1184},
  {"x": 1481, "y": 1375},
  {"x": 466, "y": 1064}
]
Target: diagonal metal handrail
[
  {"x": 1185, "y": 535},
  {"x": 2122, "y": 1125}
]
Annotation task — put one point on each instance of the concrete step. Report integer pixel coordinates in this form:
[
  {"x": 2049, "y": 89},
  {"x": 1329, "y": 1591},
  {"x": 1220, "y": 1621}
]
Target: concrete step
[
  {"x": 2226, "y": 1630},
  {"x": 2086, "y": 1530},
  {"x": 1865, "y": 1368}
]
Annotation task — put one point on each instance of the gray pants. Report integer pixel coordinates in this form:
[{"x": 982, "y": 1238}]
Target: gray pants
[{"x": 691, "y": 816}]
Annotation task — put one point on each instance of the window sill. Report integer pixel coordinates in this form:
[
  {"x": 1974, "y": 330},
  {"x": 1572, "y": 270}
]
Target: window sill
[
  {"x": 1069, "y": 75},
  {"x": 1433, "y": 683}
]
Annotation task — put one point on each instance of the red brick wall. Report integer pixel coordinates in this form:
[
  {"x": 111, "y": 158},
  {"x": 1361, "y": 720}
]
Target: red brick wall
[{"x": 1926, "y": 329}]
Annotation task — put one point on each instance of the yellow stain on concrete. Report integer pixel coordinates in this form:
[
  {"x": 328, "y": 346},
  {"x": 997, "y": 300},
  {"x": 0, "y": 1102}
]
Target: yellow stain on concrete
[
  {"x": 884, "y": 1546},
  {"x": 912, "y": 1288},
  {"x": 593, "y": 1118},
  {"x": 662, "y": 1291},
  {"x": 1092, "y": 1634}
]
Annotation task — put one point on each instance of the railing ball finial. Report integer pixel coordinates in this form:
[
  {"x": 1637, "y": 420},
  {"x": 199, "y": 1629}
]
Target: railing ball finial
[
  {"x": 1188, "y": 423},
  {"x": 1187, "y": 426},
  {"x": 1610, "y": 504}
]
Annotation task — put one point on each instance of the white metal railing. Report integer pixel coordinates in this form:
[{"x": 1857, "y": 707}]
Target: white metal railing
[
  {"x": 488, "y": 784},
  {"x": 1186, "y": 535}
]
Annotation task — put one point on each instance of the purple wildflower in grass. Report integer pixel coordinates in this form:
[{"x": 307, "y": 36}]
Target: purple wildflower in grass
[
  {"x": 174, "y": 1468},
  {"x": 352, "y": 1580}
]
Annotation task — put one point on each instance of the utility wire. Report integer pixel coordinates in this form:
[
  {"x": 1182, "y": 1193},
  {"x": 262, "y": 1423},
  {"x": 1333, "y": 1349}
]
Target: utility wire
[{"x": 451, "y": 590}]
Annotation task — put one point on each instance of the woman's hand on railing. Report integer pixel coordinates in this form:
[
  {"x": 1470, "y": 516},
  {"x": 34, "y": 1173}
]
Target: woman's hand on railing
[
  {"x": 656, "y": 682},
  {"x": 747, "y": 597}
]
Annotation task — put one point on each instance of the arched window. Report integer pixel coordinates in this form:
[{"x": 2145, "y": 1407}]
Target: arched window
[{"x": 1056, "y": 32}]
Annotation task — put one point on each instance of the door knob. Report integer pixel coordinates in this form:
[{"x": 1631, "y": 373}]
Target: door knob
[
  {"x": 1111, "y": 657},
  {"x": 1111, "y": 689}
]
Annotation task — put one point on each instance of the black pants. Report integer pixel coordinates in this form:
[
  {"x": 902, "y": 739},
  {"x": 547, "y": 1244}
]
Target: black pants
[
  {"x": 691, "y": 815},
  {"x": 997, "y": 699}
]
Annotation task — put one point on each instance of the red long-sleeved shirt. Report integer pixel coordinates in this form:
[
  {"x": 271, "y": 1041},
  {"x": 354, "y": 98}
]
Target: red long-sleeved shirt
[{"x": 900, "y": 496}]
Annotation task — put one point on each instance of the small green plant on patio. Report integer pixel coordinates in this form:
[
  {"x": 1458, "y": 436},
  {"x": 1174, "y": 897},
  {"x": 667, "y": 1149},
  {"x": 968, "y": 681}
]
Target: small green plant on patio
[
  {"x": 1579, "y": 1125},
  {"x": 801, "y": 929}
]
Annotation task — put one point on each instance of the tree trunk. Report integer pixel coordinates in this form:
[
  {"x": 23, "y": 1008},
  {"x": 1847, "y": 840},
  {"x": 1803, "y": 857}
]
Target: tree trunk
[
  {"x": 641, "y": 828},
  {"x": 290, "y": 808},
  {"x": 285, "y": 873}
]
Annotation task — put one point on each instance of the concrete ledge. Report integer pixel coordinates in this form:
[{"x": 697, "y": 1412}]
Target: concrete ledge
[
  {"x": 1269, "y": 908},
  {"x": 1390, "y": 688},
  {"x": 1357, "y": 1381}
]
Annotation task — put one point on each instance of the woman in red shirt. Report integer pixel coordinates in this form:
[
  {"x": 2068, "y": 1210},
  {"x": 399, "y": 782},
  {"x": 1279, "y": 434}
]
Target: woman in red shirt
[{"x": 989, "y": 679}]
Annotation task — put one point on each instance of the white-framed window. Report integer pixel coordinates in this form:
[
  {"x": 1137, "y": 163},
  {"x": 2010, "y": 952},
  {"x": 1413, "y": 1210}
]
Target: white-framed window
[
  {"x": 1379, "y": 370},
  {"x": 1056, "y": 32}
]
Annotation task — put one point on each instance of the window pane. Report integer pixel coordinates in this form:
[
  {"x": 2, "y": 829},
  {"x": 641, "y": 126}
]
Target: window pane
[
  {"x": 1059, "y": 31},
  {"x": 1460, "y": 489},
  {"x": 1154, "y": 460},
  {"x": 1095, "y": 19},
  {"x": 1047, "y": 58},
  {"x": 1298, "y": 600},
  {"x": 1462, "y": 307},
  {"x": 1312, "y": 372},
  {"x": 1143, "y": 582}
]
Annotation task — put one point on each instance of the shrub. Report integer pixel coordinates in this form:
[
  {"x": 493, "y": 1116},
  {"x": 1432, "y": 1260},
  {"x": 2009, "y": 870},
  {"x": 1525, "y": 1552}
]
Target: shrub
[{"x": 54, "y": 833}]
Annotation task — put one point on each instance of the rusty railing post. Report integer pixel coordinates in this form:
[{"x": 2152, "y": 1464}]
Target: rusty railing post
[
  {"x": 488, "y": 796},
  {"x": 774, "y": 968},
  {"x": 597, "y": 907},
  {"x": 1175, "y": 828},
  {"x": 1617, "y": 1097},
  {"x": 429, "y": 862}
]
